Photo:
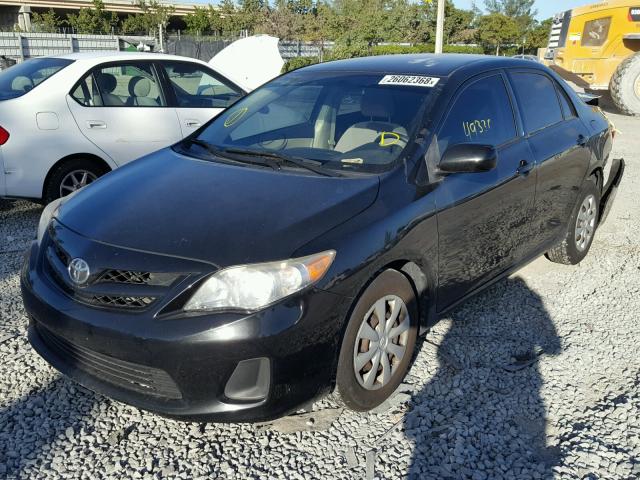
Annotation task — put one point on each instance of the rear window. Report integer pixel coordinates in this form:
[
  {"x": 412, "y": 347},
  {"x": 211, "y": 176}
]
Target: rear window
[
  {"x": 24, "y": 77},
  {"x": 538, "y": 100}
]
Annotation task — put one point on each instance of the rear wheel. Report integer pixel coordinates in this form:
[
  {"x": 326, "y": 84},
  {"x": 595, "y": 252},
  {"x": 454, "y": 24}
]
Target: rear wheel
[
  {"x": 581, "y": 228},
  {"x": 378, "y": 343},
  {"x": 71, "y": 176},
  {"x": 625, "y": 85}
]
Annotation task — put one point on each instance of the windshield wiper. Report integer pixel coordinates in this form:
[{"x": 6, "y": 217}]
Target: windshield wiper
[
  {"x": 307, "y": 164},
  {"x": 226, "y": 155}
]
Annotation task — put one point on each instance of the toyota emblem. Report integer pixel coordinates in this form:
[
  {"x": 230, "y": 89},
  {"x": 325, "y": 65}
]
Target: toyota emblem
[{"x": 79, "y": 271}]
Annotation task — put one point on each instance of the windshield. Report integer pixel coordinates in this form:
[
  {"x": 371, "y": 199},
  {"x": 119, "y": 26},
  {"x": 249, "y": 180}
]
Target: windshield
[
  {"x": 341, "y": 121},
  {"x": 24, "y": 77}
]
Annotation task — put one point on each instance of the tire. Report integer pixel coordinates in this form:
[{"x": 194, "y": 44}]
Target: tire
[
  {"x": 625, "y": 85},
  {"x": 574, "y": 247},
  {"x": 62, "y": 173},
  {"x": 389, "y": 287}
]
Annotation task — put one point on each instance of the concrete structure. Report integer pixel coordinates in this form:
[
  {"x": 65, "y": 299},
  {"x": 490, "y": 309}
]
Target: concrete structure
[{"x": 18, "y": 12}]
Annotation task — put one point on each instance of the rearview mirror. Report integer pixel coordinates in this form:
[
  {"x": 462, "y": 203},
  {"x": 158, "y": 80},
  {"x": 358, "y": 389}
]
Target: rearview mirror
[{"x": 468, "y": 158}]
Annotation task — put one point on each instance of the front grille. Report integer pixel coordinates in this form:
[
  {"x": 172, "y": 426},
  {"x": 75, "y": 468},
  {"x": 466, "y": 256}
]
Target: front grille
[
  {"x": 131, "y": 376},
  {"x": 125, "y": 276},
  {"x": 120, "y": 289},
  {"x": 120, "y": 301}
]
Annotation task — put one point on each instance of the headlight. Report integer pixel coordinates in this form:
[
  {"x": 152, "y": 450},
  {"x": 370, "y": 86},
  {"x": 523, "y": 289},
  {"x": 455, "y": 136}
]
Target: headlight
[
  {"x": 47, "y": 214},
  {"x": 251, "y": 287}
]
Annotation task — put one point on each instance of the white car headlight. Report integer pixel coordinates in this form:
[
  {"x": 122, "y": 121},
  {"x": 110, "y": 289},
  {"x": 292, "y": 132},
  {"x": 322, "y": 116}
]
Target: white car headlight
[
  {"x": 252, "y": 287},
  {"x": 45, "y": 219}
]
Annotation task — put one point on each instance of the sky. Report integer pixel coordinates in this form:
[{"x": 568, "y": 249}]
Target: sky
[{"x": 546, "y": 8}]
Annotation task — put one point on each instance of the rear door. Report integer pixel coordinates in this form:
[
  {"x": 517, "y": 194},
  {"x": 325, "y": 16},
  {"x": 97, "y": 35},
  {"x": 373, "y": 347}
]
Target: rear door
[
  {"x": 197, "y": 92},
  {"x": 122, "y": 109},
  {"x": 484, "y": 224},
  {"x": 558, "y": 141}
]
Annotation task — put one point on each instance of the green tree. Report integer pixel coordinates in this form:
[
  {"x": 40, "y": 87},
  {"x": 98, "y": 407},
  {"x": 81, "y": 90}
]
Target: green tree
[
  {"x": 522, "y": 11},
  {"x": 538, "y": 36},
  {"x": 153, "y": 15},
  {"x": 496, "y": 29},
  {"x": 94, "y": 20},
  {"x": 47, "y": 22},
  {"x": 198, "y": 22}
]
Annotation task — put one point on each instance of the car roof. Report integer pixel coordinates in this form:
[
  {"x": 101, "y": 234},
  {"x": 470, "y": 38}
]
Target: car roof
[
  {"x": 102, "y": 56},
  {"x": 441, "y": 65}
]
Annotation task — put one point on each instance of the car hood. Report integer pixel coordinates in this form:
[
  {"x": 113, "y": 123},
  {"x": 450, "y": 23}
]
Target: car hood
[{"x": 223, "y": 214}]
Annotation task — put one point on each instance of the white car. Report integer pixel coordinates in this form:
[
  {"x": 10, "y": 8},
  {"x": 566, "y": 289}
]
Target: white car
[{"x": 66, "y": 120}]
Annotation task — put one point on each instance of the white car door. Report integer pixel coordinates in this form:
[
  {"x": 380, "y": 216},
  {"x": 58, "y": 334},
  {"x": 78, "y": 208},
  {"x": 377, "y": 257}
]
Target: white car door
[
  {"x": 122, "y": 109},
  {"x": 199, "y": 93}
]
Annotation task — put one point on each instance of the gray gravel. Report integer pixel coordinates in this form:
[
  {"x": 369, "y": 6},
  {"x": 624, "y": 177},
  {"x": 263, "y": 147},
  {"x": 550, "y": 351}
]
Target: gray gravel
[{"x": 538, "y": 377}]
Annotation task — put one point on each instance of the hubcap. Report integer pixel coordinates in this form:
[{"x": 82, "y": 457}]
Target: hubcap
[
  {"x": 75, "y": 181},
  {"x": 637, "y": 86},
  {"x": 381, "y": 342},
  {"x": 586, "y": 222}
]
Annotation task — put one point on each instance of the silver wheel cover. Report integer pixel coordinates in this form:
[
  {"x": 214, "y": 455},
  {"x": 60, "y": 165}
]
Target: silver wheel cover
[
  {"x": 76, "y": 180},
  {"x": 586, "y": 223},
  {"x": 381, "y": 342}
]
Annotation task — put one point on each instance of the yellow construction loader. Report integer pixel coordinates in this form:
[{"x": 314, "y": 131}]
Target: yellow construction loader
[{"x": 598, "y": 48}]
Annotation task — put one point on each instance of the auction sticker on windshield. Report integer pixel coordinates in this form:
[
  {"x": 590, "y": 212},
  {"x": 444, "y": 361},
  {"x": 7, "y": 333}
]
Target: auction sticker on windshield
[{"x": 409, "y": 80}]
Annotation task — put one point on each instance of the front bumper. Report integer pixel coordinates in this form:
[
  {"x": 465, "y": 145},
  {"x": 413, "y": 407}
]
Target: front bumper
[{"x": 182, "y": 366}]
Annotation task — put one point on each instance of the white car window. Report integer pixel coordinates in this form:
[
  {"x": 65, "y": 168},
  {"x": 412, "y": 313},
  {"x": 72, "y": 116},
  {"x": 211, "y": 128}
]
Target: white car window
[
  {"x": 195, "y": 87},
  {"x": 129, "y": 84}
]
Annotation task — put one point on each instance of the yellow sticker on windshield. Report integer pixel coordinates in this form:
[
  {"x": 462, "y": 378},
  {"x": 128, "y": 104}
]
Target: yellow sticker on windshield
[
  {"x": 388, "y": 139},
  {"x": 235, "y": 116}
]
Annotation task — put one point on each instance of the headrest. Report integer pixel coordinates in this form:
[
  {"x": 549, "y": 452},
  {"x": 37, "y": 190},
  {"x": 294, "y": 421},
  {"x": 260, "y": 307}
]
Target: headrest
[
  {"x": 21, "y": 84},
  {"x": 139, "y": 87},
  {"x": 376, "y": 103},
  {"x": 107, "y": 82}
]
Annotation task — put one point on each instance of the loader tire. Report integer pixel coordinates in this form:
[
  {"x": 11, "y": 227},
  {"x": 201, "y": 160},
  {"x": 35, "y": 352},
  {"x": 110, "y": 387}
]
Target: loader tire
[{"x": 625, "y": 85}]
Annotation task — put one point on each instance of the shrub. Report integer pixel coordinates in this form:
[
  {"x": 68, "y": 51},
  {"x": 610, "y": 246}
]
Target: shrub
[{"x": 298, "y": 62}]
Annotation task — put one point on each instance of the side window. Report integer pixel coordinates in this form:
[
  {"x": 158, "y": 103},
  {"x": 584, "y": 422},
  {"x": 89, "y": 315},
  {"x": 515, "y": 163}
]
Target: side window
[
  {"x": 538, "y": 100},
  {"x": 568, "y": 108},
  {"x": 482, "y": 113},
  {"x": 195, "y": 87},
  {"x": 86, "y": 93},
  {"x": 129, "y": 85},
  {"x": 596, "y": 32}
]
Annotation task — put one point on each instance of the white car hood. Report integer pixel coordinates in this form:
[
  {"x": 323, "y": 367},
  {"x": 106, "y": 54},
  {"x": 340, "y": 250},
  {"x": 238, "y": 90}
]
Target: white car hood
[{"x": 250, "y": 61}]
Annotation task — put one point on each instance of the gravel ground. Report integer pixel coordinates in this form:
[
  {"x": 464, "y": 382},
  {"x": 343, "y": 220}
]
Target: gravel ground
[{"x": 538, "y": 377}]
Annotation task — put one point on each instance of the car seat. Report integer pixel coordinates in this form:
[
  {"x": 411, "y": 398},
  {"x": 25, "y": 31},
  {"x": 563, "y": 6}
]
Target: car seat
[
  {"x": 139, "y": 90},
  {"x": 107, "y": 83},
  {"x": 375, "y": 104},
  {"x": 21, "y": 84}
]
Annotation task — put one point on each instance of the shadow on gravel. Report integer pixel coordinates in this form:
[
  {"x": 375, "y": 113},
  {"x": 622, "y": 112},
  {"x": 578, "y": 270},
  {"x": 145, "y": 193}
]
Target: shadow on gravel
[
  {"x": 31, "y": 426},
  {"x": 481, "y": 415}
]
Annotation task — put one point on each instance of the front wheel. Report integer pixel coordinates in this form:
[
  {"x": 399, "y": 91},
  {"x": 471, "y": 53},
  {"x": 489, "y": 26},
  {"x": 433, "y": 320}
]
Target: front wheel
[
  {"x": 378, "y": 342},
  {"x": 581, "y": 229},
  {"x": 71, "y": 176}
]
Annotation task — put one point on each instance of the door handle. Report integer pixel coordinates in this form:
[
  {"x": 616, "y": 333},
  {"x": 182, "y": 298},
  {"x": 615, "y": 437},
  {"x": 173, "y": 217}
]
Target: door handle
[
  {"x": 524, "y": 167},
  {"x": 96, "y": 124},
  {"x": 582, "y": 140},
  {"x": 192, "y": 123}
]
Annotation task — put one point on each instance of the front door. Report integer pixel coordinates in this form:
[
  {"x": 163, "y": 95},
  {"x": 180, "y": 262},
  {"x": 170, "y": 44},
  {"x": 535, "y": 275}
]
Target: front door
[
  {"x": 199, "y": 93},
  {"x": 483, "y": 218},
  {"x": 121, "y": 108}
]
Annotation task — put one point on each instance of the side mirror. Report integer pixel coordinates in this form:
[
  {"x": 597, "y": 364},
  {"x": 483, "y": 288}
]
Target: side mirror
[{"x": 467, "y": 157}]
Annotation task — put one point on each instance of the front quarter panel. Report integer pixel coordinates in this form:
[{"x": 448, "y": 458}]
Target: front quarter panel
[{"x": 400, "y": 227}]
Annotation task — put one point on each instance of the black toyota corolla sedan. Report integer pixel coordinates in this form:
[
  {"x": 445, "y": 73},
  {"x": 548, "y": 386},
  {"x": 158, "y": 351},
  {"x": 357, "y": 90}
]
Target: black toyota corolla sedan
[{"x": 299, "y": 242}]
